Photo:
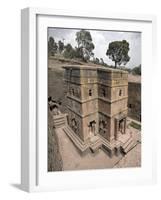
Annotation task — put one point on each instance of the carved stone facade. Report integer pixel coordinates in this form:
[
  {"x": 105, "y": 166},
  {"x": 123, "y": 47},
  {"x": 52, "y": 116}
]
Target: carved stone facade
[{"x": 97, "y": 102}]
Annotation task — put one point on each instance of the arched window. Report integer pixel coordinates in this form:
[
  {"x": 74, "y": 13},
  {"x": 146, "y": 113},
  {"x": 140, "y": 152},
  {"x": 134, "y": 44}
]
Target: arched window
[
  {"x": 102, "y": 127},
  {"x": 90, "y": 92},
  {"x": 74, "y": 123},
  {"x": 120, "y": 92},
  {"x": 103, "y": 92},
  {"x": 72, "y": 91}
]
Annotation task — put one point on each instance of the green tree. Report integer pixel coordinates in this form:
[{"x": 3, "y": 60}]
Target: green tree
[
  {"x": 60, "y": 46},
  {"x": 137, "y": 70},
  {"x": 118, "y": 52},
  {"x": 102, "y": 61},
  {"x": 78, "y": 52},
  {"x": 52, "y": 46},
  {"x": 97, "y": 61},
  {"x": 85, "y": 45},
  {"x": 69, "y": 51}
]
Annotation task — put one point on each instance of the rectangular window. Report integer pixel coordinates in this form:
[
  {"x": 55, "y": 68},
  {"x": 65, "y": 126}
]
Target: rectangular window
[
  {"x": 120, "y": 92},
  {"x": 90, "y": 92}
]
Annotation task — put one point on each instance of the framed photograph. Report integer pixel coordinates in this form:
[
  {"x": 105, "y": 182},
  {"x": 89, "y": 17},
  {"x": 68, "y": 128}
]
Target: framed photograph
[{"x": 86, "y": 99}]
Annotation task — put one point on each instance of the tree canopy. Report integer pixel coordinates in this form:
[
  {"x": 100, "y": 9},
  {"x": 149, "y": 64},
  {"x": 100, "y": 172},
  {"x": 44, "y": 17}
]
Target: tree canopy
[
  {"x": 52, "y": 46},
  {"x": 118, "y": 52},
  {"x": 137, "y": 70},
  {"x": 69, "y": 51},
  {"x": 60, "y": 46},
  {"x": 85, "y": 44}
]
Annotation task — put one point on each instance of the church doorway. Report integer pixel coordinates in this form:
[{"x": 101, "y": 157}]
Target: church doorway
[
  {"x": 92, "y": 128},
  {"x": 122, "y": 126}
]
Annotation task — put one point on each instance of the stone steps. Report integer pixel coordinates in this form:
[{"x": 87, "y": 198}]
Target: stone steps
[
  {"x": 96, "y": 145},
  {"x": 75, "y": 139},
  {"x": 59, "y": 121},
  {"x": 59, "y": 124},
  {"x": 59, "y": 118},
  {"x": 97, "y": 142},
  {"x": 128, "y": 145},
  {"x": 109, "y": 145}
]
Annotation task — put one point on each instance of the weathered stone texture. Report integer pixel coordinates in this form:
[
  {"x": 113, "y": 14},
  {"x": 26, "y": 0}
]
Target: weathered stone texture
[
  {"x": 104, "y": 107},
  {"x": 103, "y": 95},
  {"x": 86, "y": 125},
  {"x": 119, "y": 92},
  {"x": 134, "y": 100},
  {"x": 55, "y": 162},
  {"x": 75, "y": 122},
  {"x": 86, "y": 88},
  {"x": 118, "y": 106}
]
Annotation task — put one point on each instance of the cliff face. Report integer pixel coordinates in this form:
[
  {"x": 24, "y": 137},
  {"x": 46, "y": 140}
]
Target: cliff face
[
  {"x": 134, "y": 100},
  {"x": 55, "y": 162}
]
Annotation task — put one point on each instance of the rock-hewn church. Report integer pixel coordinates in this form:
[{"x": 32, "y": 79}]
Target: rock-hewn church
[{"x": 97, "y": 108}]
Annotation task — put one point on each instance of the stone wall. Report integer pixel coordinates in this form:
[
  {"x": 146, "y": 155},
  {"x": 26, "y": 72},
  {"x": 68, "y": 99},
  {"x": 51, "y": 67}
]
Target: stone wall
[
  {"x": 104, "y": 107},
  {"x": 89, "y": 107},
  {"x": 86, "y": 122},
  {"x": 55, "y": 162},
  {"x": 119, "y": 106},
  {"x": 102, "y": 96},
  {"x": 119, "y": 92},
  {"x": 104, "y": 126},
  {"x": 75, "y": 122},
  {"x": 88, "y": 88},
  {"x": 104, "y": 91},
  {"x": 74, "y": 105},
  {"x": 134, "y": 100}
]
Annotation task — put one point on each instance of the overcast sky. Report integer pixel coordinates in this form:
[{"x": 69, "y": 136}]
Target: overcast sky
[{"x": 101, "y": 40}]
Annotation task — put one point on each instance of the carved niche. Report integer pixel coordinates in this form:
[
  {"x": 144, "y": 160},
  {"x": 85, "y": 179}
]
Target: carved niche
[{"x": 102, "y": 126}]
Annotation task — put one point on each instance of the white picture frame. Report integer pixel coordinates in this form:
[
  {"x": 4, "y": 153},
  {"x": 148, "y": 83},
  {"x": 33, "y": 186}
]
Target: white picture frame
[{"x": 34, "y": 22}]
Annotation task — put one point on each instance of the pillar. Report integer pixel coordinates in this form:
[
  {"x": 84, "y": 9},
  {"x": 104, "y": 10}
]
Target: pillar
[{"x": 116, "y": 129}]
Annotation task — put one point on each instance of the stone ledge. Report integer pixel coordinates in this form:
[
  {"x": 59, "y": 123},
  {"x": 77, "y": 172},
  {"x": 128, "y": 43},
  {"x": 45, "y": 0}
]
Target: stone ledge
[
  {"x": 93, "y": 144},
  {"x": 82, "y": 146},
  {"x": 96, "y": 82},
  {"x": 82, "y": 116},
  {"x": 79, "y": 100}
]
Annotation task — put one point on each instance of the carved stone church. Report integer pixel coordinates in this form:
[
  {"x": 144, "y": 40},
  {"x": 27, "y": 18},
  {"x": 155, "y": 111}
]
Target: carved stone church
[{"x": 97, "y": 108}]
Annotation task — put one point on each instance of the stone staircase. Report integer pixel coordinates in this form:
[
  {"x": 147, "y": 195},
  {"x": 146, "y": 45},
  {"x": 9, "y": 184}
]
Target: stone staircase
[
  {"x": 75, "y": 139},
  {"x": 128, "y": 145},
  {"x": 95, "y": 143},
  {"x": 59, "y": 120}
]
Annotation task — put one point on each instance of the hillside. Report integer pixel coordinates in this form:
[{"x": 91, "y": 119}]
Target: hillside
[{"x": 59, "y": 61}]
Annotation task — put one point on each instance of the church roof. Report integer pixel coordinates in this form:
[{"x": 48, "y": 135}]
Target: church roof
[{"x": 90, "y": 67}]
